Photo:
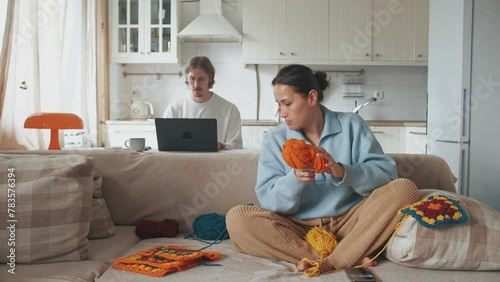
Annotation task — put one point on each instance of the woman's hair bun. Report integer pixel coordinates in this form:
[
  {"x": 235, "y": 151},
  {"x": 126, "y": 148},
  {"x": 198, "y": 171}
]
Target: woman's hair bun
[{"x": 322, "y": 79}]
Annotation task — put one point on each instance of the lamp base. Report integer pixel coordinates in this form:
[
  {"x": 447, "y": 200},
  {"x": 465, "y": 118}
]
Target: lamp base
[{"x": 54, "y": 140}]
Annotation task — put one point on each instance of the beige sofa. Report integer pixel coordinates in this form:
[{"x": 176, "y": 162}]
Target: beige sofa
[{"x": 181, "y": 186}]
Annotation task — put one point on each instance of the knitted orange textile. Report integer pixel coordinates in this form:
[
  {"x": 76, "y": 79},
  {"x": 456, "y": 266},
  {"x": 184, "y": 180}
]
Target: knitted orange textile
[
  {"x": 298, "y": 154},
  {"x": 161, "y": 260}
]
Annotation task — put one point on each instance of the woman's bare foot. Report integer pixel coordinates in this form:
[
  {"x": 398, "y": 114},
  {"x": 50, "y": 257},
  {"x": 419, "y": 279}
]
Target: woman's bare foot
[
  {"x": 326, "y": 266},
  {"x": 368, "y": 262},
  {"x": 303, "y": 265}
]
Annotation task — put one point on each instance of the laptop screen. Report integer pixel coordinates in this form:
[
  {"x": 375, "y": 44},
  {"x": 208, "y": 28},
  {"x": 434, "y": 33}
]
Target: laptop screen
[{"x": 186, "y": 134}]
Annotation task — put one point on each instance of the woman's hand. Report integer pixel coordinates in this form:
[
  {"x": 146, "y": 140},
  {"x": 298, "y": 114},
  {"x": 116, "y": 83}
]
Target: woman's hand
[
  {"x": 304, "y": 174},
  {"x": 332, "y": 167}
]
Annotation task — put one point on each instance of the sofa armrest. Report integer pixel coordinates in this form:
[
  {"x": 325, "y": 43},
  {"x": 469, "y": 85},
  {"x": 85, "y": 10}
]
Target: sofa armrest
[{"x": 426, "y": 171}]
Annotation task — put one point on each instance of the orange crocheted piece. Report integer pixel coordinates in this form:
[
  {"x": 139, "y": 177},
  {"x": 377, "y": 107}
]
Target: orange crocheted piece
[
  {"x": 298, "y": 154},
  {"x": 152, "y": 266},
  {"x": 179, "y": 253},
  {"x": 160, "y": 260}
]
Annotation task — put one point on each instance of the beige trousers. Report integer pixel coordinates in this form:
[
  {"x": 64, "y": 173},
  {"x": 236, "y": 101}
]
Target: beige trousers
[{"x": 361, "y": 231}]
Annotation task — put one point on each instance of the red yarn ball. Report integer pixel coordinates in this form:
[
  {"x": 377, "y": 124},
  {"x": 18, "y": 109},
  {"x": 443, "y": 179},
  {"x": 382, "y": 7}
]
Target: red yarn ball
[{"x": 153, "y": 229}]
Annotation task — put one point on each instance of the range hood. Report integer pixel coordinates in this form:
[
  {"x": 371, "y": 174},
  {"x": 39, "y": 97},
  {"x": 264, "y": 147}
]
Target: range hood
[{"x": 210, "y": 25}]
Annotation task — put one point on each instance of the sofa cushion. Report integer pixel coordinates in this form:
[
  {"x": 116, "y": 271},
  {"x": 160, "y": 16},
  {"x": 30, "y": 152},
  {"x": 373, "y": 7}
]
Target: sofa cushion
[
  {"x": 49, "y": 197},
  {"x": 86, "y": 270},
  {"x": 107, "y": 249},
  {"x": 471, "y": 245},
  {"x": 426, "y": 171},
  {"x": 174, "y": 185},
  {"x": 101, "y": 224}
]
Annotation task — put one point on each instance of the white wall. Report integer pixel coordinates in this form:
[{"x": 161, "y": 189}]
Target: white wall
[{"x": 405, "y": 88}]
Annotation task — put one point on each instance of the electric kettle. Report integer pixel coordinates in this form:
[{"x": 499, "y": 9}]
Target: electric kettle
[{"x": 140, "y": 109}]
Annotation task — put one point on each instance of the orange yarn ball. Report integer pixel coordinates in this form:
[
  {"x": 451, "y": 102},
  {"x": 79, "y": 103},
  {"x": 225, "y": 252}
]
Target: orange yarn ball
[{"x": 298, "y": 154}]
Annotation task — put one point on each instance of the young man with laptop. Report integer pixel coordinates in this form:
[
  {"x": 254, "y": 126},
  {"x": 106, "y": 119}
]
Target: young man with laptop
[{"x": 205, "y": 104}]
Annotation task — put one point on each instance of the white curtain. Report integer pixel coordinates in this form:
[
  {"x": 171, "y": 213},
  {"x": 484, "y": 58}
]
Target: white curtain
[{"x": 51, "y": 68}]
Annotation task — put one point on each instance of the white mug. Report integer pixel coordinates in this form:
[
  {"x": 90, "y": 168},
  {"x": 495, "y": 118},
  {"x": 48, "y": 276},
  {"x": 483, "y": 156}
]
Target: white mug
[{"x": 136, "y": 144}]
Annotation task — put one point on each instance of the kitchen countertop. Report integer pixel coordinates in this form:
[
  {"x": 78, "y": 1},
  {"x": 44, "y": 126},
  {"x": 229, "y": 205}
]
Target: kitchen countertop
[
  {"x": 129, "y": 122},
  {"x": 396, "y": 123},
  {"x": 273, "y": 122},
  {"x": 252, "y": 122}
]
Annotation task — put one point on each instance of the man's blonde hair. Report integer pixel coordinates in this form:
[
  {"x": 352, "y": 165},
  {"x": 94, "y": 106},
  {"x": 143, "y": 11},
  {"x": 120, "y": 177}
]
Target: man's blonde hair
[{"x": 203, "y": 63}]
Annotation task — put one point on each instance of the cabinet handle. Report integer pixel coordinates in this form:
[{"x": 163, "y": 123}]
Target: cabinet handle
[
  {"x": 377, "y": 55},
  {"x": 282, "y": 54},
  {"x": 420, "y": 55},
  {"x": 378, "y": 132},
  {"x": 417, "y": 133},
  {"x": 293, "y": 54},
  {"x": 447, "y": 141},
  {"x": 367, "y": 55},
  {"x": 464, "y": 129}
]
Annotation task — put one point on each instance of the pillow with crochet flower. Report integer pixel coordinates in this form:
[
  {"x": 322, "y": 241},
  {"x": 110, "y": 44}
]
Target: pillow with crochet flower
[
  {"x": 426, "y": 239},
  {"x": 436, "y": 210}
]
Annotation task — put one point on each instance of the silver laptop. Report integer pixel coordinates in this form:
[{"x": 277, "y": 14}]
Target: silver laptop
[{"x": 186, "y": 134}]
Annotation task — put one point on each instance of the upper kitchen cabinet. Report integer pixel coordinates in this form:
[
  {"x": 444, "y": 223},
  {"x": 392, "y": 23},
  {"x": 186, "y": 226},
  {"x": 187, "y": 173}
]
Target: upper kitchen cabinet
[
  {"x": 369, "y": 32},
  {"x": 393, "y": 33},
  {"x": 349, "y": 33},
  {"x": 379, "y": 31},
  {"x": 400, "y": 30},
  {"x": 262, "y": 29},
  {"x": 279, "y": 31},
  {"x": 143, "y": 31},
  {"x": 421, "y": 30}
]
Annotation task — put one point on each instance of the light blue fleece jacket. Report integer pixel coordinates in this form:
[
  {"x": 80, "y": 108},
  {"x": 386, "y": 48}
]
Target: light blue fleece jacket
[{"x": 350, "y": 141}]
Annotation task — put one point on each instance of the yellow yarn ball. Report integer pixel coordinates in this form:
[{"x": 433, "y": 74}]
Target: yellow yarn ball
[{"x": 322, "y": 241}]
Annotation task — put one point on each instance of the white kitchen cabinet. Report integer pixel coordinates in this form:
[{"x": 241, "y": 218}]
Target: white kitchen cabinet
[
  {"x": 306, "y": 30},
  {"x": 279, "y": 31},
  {"x": 388, "y": 137},
  {"x": 117, "y": 134},
  {"x": 393, "y": 35},
  {"x": 258, "y": 133},
  {"x": 421, "y": 30},
  {"x": 400, "y": 30},
  {"x": 349, "y": 33},
  {"x": 321, "y": 32},
  {"x": 253, "y": 136},
  {"x": 261, "y": 29},
  {"x": 246, "y": 136},
  {"x": 415, "y": 140},
  {"x": 143, "y": 31}
]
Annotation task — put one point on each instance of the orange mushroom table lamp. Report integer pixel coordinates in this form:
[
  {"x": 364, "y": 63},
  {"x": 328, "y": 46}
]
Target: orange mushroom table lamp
[{"x": 54, "y": 122}]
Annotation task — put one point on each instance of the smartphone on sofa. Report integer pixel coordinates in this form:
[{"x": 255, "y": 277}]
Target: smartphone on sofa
[{"x": 360, "y": 275}]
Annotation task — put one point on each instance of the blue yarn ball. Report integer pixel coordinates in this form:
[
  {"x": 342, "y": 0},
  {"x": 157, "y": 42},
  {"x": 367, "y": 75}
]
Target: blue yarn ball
[{"x": 210, "y": 226}]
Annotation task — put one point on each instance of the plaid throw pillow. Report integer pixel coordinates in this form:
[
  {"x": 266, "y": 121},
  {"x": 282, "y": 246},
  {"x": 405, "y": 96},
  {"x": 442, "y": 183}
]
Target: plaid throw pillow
[
  {"x": 101, "y": 224},
  {"x": 436, "y": 210},
  {"x": 471, "y": 245},
  {"x": 51, "y": 215}
]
